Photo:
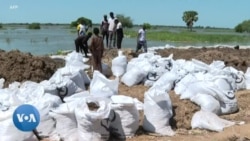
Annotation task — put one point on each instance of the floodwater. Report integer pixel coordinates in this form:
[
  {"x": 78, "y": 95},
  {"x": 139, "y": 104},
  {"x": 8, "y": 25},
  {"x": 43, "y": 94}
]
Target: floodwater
[
  {"x": 52, "y": 38},
  {"x": 47, "y": 40}
]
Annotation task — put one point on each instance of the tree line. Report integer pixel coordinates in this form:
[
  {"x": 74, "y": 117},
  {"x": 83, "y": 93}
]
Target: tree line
[{"x": 189, "y": 17}]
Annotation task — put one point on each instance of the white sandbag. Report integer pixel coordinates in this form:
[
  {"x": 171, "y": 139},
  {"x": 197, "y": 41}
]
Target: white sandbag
[
  {"x": 80, "y": 73},
  {"x": 247, "y": 77},
  {"x": 76, "y": 96},
  {"x": 64, "y": 84},
  {"x": 144, "y": 64},
  {"x": 238, "y": 77},
  {"x": 66, "y": 124},
  {"x": 14, "y": 85},
  {"x": 119, "y": 64},
  {"x": 194, "y": 66},
  {"x": 204, "y": 87},
  {"x": 207, "y": 103},
  {"x": 100, "y": 86},
  {"x": 151, "y": 78},
  {"x": 166, "y": 63},
  {"x": 48, "y": 87},
  {"x": 85, "y": 77},
  {"x": 139, "y": 105},
  {"x": 125, "y": 117},
  {"x": 133, "y": 76},
  {"x": 74, "y": 80},
  {"x": 93, "y": 122},
  {"x": 183, "y": 84},
  {"x": 157, "y": 112},
  {"x": 226, "y": 96},
  {"x": 200, "y": 66},
  {"x": 209, "y": 121},
  {"x": 4, "y": 101},
  {"x": 131, "y": 64},
  {"x": 166, "y": 81},
  {"x": 219, "y": 88},
  {"x": 8, "y": 131},
  {"x": 106, "y": 70},
  {"x": 2, "y": 80},
  {"x": 67, "y": 71},
  {"x": 159, "y": 67},
  {"x": 69, "y": 86},
  {"x": 78, "y": 79},
  {"x": 75, "y": 61},
  {"x": 240, "y": 80},
  {"x": 9, "y": 98},
  {"x": 217, "y": 64},
  {"x": 47, "y": 124},
  {"x": 30, "y": 91},
  {"x": 58, "y": 57}
]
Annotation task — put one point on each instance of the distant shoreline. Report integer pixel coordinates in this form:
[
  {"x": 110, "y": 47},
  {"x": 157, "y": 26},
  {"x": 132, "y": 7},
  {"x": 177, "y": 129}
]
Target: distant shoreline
[{"x": 97, "y": 24}]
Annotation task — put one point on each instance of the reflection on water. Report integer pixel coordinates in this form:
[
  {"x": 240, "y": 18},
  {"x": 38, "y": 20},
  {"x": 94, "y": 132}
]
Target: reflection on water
[{"x": 50, "y": 39}]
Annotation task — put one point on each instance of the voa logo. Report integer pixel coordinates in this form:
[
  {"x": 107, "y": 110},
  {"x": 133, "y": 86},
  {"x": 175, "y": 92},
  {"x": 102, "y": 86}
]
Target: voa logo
[{"x": 26, "y": 117}]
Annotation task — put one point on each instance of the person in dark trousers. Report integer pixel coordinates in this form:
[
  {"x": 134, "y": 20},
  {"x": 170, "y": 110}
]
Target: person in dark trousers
[
  {"x": 104, "y": 29},
  {"x": 119, "y": 33},
  {"x": 141, "y": 39},
  {"x": 111, "y": 30},
  {"x": 97, "y": 49},
  {"x": 81, "y": 43}
]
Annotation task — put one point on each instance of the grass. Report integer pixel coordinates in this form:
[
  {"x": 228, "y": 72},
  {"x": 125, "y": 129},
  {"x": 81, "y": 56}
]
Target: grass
[{"x": 187, "y": 36}]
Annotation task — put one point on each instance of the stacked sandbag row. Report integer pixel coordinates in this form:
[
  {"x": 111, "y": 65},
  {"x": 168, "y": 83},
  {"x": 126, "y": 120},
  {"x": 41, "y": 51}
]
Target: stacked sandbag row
[
  {"x": 212, "y": 86},
  {"x": 67, "y": 110}
]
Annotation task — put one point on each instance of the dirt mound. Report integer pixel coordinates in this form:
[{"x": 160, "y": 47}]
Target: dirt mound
[
  {"x": 236, "y": 58},
  {"x": 18, "y": 66}
]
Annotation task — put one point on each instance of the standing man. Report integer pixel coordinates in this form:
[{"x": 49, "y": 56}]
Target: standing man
[
  {"x": 141, "y": 39},
  {"x": 97, "y": 49},
  {"x": 111, "y": 29},
  {"x": 119, "y": 33},
  {"x": 104, "y": 29},
  {"x": 81, "y": 43}
]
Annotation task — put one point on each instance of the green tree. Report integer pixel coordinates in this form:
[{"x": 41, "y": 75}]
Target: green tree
[
  {"x": 243, "y": 27},
  {"x": 1, "y": 25},
  {"x": 147, "y": 25},
  {"x": 189, "y": 17},
  {"x": 238, "y": 28},
  {"x": 84, "y": 20},
  {"x": 126, "y": 21},
  {"x": 34, "y": 26}
]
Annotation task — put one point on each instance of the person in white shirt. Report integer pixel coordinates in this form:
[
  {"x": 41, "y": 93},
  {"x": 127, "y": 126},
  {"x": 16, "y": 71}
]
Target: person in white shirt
[
  {"x": 112, "y": 30},
  {"x": 81, "y": 29},
  {"x": 119, "y": 33},
  {"x": 141, "y": 40}
]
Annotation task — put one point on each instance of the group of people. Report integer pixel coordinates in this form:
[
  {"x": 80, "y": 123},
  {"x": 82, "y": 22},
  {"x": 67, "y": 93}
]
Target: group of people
[
  {"x": 95, "y": 47},
  {"x": 112, "y": 32}
]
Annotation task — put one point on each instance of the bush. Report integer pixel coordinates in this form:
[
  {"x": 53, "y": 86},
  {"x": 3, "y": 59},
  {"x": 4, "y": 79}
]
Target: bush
[
  {"x": 1, "y": 26},
  {"x": 34, "y": 26},
  {"x": 126, "y": 21},
  {"x": 243, "y": 27},
  {"x": 238, "y": 28},
  {"x": 84, "y": 20},
  {"x": 147, "y": 25}
]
